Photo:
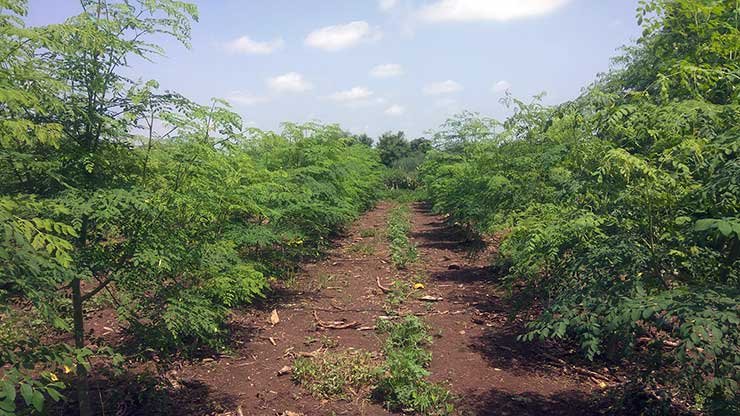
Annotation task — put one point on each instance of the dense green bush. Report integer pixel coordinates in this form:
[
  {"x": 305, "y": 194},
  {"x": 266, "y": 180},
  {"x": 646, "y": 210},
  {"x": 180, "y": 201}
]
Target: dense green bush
[{"x": 618, "y": 211}]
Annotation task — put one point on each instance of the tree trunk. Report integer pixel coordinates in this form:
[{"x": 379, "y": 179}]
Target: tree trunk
[{"x": 83, "y": 387}]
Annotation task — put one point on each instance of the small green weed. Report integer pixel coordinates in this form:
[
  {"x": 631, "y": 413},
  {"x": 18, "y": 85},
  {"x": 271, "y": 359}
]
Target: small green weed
[
  {"x": 323, "y": 281},
  {"x": 362, "y": 248},
  {"x": 325, "y": 341},
  {"x": 400, "y": 291},
  {"x": 368, "y": 232},
  {"x": 290, "y": 280}
]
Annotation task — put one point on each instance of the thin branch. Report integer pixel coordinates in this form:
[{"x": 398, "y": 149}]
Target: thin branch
[{"x": 100, "y": 287}]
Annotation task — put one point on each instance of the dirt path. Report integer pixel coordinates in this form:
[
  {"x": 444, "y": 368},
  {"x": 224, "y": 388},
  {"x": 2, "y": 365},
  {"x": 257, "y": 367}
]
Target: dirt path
[{"x": 474, "y": 349}]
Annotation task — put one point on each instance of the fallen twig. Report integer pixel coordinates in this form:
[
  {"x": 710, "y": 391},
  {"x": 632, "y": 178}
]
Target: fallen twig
[
  {"x": 382, "y": 288},
  {"x": 593, "y": 374},
  {"x": 666, "y": 342},
  {"x": 335, "y": 306},
  {"x": 333, "y": 324},
  {"x": 310, "y": 354},
  {"x": 366, "y": 328},
  {"x": 245, "y": 364},
  {"x": 579, "y": 370}
]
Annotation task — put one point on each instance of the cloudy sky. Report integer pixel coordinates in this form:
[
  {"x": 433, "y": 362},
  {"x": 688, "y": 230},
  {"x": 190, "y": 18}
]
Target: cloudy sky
[{"x": 378, "y": 65}]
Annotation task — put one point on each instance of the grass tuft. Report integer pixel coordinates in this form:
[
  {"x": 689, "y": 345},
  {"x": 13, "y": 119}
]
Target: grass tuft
[{"x": 336, "y": 374}]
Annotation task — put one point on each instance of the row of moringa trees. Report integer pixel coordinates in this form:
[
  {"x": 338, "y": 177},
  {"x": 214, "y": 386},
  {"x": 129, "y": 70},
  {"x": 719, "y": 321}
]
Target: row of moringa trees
[
  {"x": 172, "y": 210},
  {"x": 618, "y": 212}
]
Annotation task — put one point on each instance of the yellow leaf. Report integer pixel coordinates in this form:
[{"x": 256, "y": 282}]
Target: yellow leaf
[
  {"x": 67, "y": 370},
  {"x": 53, "y": 377},
  {"x": 418, "y": 285}
]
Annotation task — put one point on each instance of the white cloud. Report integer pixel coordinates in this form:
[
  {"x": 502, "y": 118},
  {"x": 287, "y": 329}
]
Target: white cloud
[
  {"x": 386, "y": 5},
  {"x": 499, "y": 10},
  {"x": 290, "y": 82},
  {"x": 395, "y": 110},
  {"x": 444, "y": 87},
  {"x": 352, "y": 95},
  {"x": 501, "y": 86},
  {"x": 247, "y": 45},
  {"x": 387, "y": 71},
  {"x": 335, "y": 38},
  {"x": 245, "y": 98}
]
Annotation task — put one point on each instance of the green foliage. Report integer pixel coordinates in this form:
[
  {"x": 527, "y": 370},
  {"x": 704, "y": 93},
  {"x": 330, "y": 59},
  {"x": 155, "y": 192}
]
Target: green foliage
[
  {"x": 402, "y": 159},
  {"x": 173, "y": 210},
  {"x": 402, "y": 385},
  {"x": 618, "y": 211},
  {"x": 18, "y": 348},
  {"x": 402, "y": 196},
  {"x": 236, "y": 210},
  {"x": 392, "y": 147},
  {"x": 363, "y": 139},
  {"x": 463, "y": 129},
  {"x": 403, "y": 251}
]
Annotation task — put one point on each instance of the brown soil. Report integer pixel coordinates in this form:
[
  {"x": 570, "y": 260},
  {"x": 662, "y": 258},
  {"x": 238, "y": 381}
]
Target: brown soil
[{"x": 475, "y": 351}]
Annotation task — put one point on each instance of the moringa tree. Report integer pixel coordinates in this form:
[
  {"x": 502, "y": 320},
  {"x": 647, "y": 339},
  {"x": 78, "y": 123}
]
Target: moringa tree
[
  {"x": 101, "y": 107},
  {"x": 77, "y": 139}
]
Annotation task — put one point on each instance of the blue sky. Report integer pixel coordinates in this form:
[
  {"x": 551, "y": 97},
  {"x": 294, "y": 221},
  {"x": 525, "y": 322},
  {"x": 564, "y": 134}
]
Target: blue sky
[{"x": 378, "y": 65}]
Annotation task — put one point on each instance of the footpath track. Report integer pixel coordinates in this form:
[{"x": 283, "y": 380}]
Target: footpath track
[{"x": 475, "y": 352}]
